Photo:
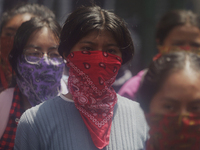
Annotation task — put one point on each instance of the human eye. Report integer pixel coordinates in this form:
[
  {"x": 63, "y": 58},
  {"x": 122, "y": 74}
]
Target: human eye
[
  {"x": 33, "y": 52},
  {"x": 169, "y": 107},
  {"x": 114, "y": 50},
  {"x": 54, "y": 55},
  {"x": 9, "y": 34},
  {"x": 87, "y": 48},
  {"x": 178, "y": 43},
  {"x": 195, "y": 45},
  {"x": 195, "y": 108}
]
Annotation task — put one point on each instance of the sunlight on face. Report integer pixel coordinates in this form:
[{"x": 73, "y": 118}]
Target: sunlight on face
[
  {"x": 43, "y": 40},
  {"x": 179, "y": 94}
]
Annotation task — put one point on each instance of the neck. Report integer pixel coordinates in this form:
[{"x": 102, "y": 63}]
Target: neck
[{"x": 25, "y": 103}]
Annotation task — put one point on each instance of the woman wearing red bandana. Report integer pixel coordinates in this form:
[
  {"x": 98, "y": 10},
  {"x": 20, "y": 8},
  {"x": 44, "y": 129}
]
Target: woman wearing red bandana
[
  {"x": 176, "y": 30},
  {"x": 94, "y": 42},
  {"x": 170, "y": 98}
]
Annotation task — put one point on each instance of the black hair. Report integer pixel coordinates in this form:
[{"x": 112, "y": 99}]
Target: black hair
[
  {"x": 86, "y": 19},
  {"x": 159, "y": 70},
  {"x": 172, "y": 19},
  {"x": 33, "y": 9},
  {"x": 25, "y": 31}
]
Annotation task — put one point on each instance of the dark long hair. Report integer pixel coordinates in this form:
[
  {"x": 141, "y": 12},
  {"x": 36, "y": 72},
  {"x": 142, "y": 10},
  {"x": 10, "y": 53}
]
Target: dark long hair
[
  {"x": 159, "y": 70},
  {"x": 87, "y": 19},
  {"x": 33, "y": 9}
]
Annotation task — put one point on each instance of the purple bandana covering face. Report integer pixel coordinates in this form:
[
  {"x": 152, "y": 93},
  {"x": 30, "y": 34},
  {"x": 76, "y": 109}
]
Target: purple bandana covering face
[{"x": 41, "y": 81}]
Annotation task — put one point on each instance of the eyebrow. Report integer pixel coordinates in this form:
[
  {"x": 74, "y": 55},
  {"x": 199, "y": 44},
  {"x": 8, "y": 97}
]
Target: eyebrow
[
  {"x": 32, "y": 46},
  {"x": 92, "y": 43},
  {"x": 37, "y": 47},
  {"x": 177, "y": 41},
  {"x": 10, "y": 28},
  {"x": 177, "y": 101},
  {"x": 53, "y": 47},
  {"x": 195, "y": 101},
  {"x": 88, "y": 42},
  {"x": 170, "y": 99}
]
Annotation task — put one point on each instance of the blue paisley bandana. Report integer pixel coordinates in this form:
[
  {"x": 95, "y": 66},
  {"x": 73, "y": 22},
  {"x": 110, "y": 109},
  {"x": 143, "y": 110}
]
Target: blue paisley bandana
[{"x": 41, "y": 81}]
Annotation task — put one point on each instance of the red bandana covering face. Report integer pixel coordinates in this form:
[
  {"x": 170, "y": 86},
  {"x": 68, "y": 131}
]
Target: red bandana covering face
[
  {"x": 6, "y": 44},
  {"x": 172, "y": 132},
  {"x": 91, "y": 76}
]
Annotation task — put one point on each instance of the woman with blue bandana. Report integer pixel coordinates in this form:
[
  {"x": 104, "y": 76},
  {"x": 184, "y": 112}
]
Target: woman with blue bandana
[
  {"x": 11, "y": 20},
  {"x": 36, "y": 61},
  {"x": 38, "y": 71}
]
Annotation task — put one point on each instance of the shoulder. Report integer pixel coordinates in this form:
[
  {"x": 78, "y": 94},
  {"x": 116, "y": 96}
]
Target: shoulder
[
  {"x": 7, "y": 91},
  {"x": 131, "y": 110},
  {"x": 126, "y": 101},
  {"x": 129, "y": 105},
  {"x": 135, "y": 78},
  {"x": 47, "y": 105},
  {"x": 132, "y": 85},
  {"x": 6, "y": 98},
  {"x": 7, "y": 94},
  {"x": 47, "y": 109},
  {"x": 129, "y": 119}
]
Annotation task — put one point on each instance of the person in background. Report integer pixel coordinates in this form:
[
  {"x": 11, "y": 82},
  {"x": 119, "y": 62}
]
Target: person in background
[
  {"x": 177, "y": 28},
  {"x": 170, "y": 98},
  {"x": 10, "y": 22},
  {"x": 94, "y": 42},
  {"x": 38, "y": 69}
]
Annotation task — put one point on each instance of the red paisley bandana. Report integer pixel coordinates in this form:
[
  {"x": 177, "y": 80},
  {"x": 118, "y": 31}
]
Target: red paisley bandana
[
  {"x": 170, "y": 132},
  {"x": 91, "y": 76},
  {"x": 6, "y": 44}
]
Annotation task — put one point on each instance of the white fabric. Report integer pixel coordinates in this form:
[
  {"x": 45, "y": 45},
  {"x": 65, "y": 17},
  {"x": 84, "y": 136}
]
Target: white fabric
[
  {"x": 66, "y": 99},
  {"x": 64, "y": 89},
  {"x": 6, "y": 98}
]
